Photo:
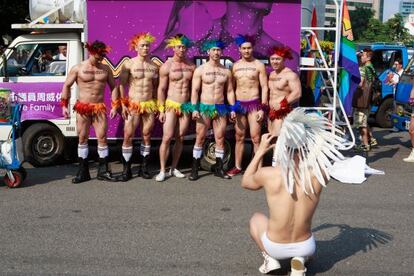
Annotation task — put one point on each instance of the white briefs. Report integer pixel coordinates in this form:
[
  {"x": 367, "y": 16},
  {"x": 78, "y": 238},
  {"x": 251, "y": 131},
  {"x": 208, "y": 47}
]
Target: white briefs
[{"x": 280, "y": 251}]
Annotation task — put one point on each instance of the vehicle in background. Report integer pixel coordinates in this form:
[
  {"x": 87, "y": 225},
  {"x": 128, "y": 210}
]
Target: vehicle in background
[{"x": 383, "y": 60}]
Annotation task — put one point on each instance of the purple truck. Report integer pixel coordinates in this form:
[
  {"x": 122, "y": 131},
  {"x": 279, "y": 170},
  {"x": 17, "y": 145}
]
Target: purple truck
[{"x": 35, "y": 65}]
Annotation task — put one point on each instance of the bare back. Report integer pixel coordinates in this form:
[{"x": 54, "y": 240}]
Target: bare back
[
  {"x": 179, "y": 75},
  {"x": 142, "y": 77},
  {"x": 92, "y": 80},
  {"x": 281, "y": 85},
  {"x": 290, "y": 215},
  {"x": 213, "y": 83}
]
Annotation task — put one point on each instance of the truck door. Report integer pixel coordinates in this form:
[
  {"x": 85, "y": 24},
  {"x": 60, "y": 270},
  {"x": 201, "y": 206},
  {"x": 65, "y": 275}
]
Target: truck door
[{"x": 37, "y": 71}]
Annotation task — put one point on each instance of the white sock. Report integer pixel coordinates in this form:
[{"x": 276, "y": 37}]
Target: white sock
[
  {"x": 219, "y": 153},
  {"x": 145, "y": 150},
  {"x": 103, "y": 151},
  {"x": 127, "y": 153},
  {"x": 83, "y": 151},
  {"x": 197, "y": 152}
]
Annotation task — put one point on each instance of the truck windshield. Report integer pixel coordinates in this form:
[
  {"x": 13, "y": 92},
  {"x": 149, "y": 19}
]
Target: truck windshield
[
  {"x": 384, "y": 59},
  {"x": 47, "y": 59}
]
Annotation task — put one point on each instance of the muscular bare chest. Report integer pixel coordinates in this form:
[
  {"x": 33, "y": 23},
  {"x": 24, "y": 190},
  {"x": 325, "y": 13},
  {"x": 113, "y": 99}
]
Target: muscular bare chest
[
  {"x": 278, "y": 83},
  {"x": 143, "y": 71},
  {"x": 246, "y": 73},
  {"x": 218, "y": 77},
  {"x": 180, "y": 73},
  {"x": 92, "y": 74}
]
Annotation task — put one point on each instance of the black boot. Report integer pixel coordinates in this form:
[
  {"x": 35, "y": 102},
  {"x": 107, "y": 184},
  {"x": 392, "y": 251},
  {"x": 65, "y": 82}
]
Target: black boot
[
  {"x": 219, "y": 169},
  {"x": 83, "y": 172},
  {"x": 194, "y": 169},
  {"x": 144, "y": 168},
  {"x": 126, "y": 173},
  {"x": 103, "y": 170}
]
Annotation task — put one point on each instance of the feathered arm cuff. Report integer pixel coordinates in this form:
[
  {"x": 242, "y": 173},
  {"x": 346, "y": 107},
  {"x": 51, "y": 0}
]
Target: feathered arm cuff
[{"x": 64, "y": 102}]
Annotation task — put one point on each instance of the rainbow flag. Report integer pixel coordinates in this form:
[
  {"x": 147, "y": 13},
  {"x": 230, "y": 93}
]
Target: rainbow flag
[
  {"x": 349, "y": 76},
  {"x": 314, "y": 81}
]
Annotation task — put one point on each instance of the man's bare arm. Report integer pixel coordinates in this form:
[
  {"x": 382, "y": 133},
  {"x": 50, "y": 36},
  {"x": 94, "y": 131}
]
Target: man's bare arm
[
  {"x": 263, "y": 84},
  {"x": 155, "y": 84},
  {"x": 295, "y": 88},
  {"x": 195, "y": 86},
  {"x": 163, "y": 85},
  {"x": 123, "y": 80},
  {"x": 231, "y": 97},
  {"x": 70, "y": 80},
  {"x": 254, "y": 177}
]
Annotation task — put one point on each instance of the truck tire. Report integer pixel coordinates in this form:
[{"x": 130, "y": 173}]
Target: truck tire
[
  {"x": 42, "y": 144},
  {"x": 208, "y": 160},
  {"x": 383, "y": 115}
]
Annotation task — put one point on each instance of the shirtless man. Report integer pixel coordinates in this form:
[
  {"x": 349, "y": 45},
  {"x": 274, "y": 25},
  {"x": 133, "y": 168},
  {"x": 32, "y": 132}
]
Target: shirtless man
[
  {"x": 214, "y": 80},
  {"x": 175, "y": 83},
  {"x": 284, "y": 87},
  {"x": 91, "y": 76},
  {"x": 141, "y": 75},
  {"x": 292, "y": 200},
  {"x": 251, "y": 95}
]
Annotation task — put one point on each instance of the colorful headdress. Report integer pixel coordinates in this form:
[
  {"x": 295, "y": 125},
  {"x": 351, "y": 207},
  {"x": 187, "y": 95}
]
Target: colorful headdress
[
  {"x": 240, "y": 39},
  {"x": 214, "y": 43},
  {"x": 177, "y": 40},
  {"x": 281, "y": 51},
  {"x": 310, "y": 136},
  {"x": 97, "y": 47},
  {"x": 133, "y": 42}
]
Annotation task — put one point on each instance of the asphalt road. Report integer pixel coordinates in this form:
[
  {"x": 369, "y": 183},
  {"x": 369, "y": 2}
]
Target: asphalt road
[{"x": 50, "y": 226}]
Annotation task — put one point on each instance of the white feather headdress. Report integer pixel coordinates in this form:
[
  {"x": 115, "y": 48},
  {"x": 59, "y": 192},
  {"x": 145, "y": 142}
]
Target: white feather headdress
[{"x": 309, "y": 135}]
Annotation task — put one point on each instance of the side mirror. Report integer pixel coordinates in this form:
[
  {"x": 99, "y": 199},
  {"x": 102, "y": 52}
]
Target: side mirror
[
  {"x": 6, "y": 39},
  {"x": 23, "y": 71}
]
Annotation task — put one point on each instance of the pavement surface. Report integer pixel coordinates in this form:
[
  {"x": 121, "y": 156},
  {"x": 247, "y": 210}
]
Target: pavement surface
[{"x": 52, "y": 227}]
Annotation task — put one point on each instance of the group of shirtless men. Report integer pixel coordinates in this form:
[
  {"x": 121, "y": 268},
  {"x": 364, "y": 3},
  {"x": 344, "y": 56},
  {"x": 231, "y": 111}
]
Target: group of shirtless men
[{"x": 178, "y": 92}]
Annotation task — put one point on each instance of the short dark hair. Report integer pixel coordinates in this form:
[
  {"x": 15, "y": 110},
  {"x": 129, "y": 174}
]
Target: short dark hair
[
  {"x": 399, "y": 60},
  {"x": 368, "y": 52}
]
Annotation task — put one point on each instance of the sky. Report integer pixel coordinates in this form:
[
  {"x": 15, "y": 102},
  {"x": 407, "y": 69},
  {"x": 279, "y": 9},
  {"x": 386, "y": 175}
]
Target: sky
[{"x": 390, "y": 8}]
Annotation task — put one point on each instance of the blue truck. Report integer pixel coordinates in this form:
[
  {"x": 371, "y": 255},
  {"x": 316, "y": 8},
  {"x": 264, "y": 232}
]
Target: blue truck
[{"x": 383, "y": 59}]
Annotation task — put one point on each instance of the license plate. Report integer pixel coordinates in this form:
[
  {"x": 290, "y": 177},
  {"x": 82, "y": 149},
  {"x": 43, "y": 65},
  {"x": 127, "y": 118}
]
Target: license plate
[{"x": 407, "y": 125}]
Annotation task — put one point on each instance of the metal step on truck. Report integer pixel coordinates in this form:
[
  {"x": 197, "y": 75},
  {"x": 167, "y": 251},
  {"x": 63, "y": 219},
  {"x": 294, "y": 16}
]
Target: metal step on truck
[{"x": 34, "y": 66}]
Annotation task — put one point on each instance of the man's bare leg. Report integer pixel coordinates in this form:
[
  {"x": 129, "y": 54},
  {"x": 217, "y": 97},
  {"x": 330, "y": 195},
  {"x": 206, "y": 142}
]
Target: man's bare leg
[
  {"x": 219, "y": 128},
  {"x": 100, "y": 125},
  {"x": 255, "y": 128},
  {"x": 148, "y": 120},
  {"x": 83, "y": 125},
  {"x": 168, "y": 133},
  {"x": 258, "y": 227},
  {"x": 183, "y": 123},
  {"x": 130, "y": 125},
  {"x": 240, "y": 128},
  {"x": 274, "y": 129},
  {"x": 202, "y": 126}
]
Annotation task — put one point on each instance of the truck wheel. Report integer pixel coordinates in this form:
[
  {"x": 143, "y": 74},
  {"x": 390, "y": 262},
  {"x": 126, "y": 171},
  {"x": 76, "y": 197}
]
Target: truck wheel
[
  {"x": 383, "y": 116},
  {"x": 208, "y": 160},
  {"x": 43, "y": 144}
]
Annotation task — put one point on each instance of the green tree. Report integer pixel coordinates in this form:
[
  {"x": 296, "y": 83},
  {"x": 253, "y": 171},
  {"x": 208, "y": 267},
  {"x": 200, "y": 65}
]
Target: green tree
[
  {"x": 376, "y": 31},
  {"x": 12, "y": 11},
  {"x": 396, "y": 29},
  {"x": 360, "y": 18}
]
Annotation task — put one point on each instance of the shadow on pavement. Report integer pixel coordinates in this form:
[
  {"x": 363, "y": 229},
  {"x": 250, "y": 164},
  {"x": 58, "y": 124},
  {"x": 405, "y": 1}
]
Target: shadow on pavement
[{"x": 348, "y": 242}]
